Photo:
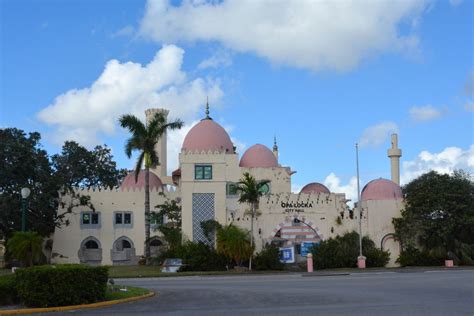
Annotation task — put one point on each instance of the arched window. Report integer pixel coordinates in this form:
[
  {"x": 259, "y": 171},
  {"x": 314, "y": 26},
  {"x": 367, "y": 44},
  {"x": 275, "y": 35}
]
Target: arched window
[
  {"x": 156, "y": 243},
  {"x": 91, "y": 244},
  {"x": 126, "y": 244}
]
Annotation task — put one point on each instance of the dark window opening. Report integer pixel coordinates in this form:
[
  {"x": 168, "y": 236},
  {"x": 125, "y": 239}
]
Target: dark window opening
[{"x": 91, "y": 244}]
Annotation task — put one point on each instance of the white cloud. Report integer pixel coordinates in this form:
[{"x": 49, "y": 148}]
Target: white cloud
[
  {"x": 84, "y": 114},
  {"x": 376, "y": 135},
  {"x": 305, "y": 34},
  {"x": 446, "y": 161},
  {"x": 424, "y": 113},
  {"x": 220, "y": 59},
  {"x": 296, "y": 188},
  {"x": 333, "y": 182}
]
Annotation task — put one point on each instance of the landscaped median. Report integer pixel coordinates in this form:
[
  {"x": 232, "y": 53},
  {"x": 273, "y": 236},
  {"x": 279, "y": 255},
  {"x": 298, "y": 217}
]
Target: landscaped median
[{"x": 61, "y": 288}]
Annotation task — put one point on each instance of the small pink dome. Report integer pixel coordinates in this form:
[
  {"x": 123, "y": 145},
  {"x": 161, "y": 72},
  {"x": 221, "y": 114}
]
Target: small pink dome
[
  {"x": 129, "y": 183},
  {"x": 315, "y": 187},
  {"x": 208, "y": 135},
  {"x": 381, "y": 189},
  {"x": 258, "y": 156}
]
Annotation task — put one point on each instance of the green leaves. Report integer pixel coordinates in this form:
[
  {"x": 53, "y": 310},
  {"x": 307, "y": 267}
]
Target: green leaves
[
  {"x": 26, "y": 247},
  {"x": 439, "y": 215}
]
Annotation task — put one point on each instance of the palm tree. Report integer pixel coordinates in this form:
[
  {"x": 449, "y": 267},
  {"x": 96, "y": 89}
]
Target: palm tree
[
  {"x": 144, "y": 138},
  {"x": 250, "y": 191},
  {"x": 26, "y": 247}
]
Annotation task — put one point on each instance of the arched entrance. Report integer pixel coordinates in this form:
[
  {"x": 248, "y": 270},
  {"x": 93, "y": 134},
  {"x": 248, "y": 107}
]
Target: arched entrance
[
  {"x": 90, "y": 251},
  {"x": 156, "y": 246},
  {"x": 294, "y": 232},
  {"x": 391, "y": 244},
  {"x": 123, "y": 252}
]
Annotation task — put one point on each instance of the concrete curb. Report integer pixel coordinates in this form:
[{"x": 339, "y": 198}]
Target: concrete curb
[{"x": 75, "y": 307}]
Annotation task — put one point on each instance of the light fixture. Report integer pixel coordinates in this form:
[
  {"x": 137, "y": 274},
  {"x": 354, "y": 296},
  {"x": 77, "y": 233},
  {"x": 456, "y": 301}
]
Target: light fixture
[{"x": 25, "y": 192}]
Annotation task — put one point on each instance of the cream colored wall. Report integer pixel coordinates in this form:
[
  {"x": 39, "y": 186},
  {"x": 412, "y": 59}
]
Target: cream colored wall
[
  {"x": 67, "y": 239},
  {"x": 378, "y": 223},
  {"x": 224, "y": 169}
]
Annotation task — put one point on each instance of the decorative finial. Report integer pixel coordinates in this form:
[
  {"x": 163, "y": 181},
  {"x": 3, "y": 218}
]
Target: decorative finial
[
  {"x": 275, "y": 146},
  {"x": 207, "y": 108}
]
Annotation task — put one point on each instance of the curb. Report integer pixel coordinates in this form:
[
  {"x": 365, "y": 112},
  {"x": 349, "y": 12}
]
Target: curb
[{"x": 75, "y": 307}]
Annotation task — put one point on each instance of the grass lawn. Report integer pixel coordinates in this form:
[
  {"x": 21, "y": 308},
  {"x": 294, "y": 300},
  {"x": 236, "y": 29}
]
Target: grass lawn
[
  {"x": 155, "y": 271},
  {"x": 117, "y": 294}
]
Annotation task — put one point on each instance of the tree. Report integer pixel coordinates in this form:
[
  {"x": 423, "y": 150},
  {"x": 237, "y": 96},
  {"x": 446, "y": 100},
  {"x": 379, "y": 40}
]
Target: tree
[
  {"x": 51, "y": 179},
  {"x": 233, "y": 242},
  {"x": 439, "y": 216},
  {"x": 143, "y": 139},
  {"x": 26, "y": 247},
  {"x": 250, "y": 190},
  {"x": 171, "y": 230}
]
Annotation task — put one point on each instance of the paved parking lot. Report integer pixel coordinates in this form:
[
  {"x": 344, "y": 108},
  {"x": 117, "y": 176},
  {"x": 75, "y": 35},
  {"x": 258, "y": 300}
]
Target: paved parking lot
[{"x": 384, "y": 293}]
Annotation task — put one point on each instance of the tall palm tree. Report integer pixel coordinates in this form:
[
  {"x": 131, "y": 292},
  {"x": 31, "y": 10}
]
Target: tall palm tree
[
  {"x": 144, "y": 138},
  {"x": 250, "y": 190}
]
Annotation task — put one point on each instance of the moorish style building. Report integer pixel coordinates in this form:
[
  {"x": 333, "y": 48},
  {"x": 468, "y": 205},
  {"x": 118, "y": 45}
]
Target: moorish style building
[{"x": 204, "y": 185}]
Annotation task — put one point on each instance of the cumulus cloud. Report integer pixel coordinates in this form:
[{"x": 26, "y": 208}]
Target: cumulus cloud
[
  {"x": 306, "y": 34},
  {"x": 377, "y": 135},
  {"x": 124, "y": 31},
  {"x": 85, "y": 114},
  {"x": 333, "y": 182},
  {"x": 424, "y": 113},
  {"x": 446, "y": 161}
]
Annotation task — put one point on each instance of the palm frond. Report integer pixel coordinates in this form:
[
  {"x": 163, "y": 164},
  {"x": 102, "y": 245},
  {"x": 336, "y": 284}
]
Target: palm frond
[
  {"x": 133, "y": 124},
  {"x": 138, "y": 165}
]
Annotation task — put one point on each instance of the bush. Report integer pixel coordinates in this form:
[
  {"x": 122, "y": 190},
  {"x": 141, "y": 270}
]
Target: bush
[
  {"x": 26, "y": 247},
  {"x": 342, "y": 252},
  {"x": 268, "y": 259},
  {"x": 46, "y": 286},
  {"x": 411, "y": 256},
  {"x": 196, "y": 257},
  {"x": 8, "y": 292}
]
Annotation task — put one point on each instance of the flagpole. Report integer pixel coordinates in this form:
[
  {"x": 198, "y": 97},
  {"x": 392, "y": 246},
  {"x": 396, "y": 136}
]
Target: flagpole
[{"x": 361, "y": 258}]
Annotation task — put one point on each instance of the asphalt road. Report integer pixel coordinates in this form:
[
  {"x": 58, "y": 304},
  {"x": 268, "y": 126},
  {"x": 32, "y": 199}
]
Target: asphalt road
[{"x": 387, "y": 293}]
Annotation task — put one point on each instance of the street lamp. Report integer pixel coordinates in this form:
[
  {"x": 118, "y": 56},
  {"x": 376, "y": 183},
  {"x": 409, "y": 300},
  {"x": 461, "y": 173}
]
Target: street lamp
[{"x": 25, "y": 193}]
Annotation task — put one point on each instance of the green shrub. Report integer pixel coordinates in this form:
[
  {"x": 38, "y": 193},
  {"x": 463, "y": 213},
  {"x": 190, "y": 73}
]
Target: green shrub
[
  {"x": 46, "y": 286},
  {"x": 412, "y": 256},
  {"x": 342, "y": 252},
  {"x": 8, "y": 292},
  {"x": 196, "y": 257},
  {"x": 26, "y": 247},
  {"x": 268, "y": 259}
]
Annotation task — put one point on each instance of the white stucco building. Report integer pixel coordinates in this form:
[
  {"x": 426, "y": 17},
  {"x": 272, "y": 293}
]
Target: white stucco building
[{"x": 209, "y": 168}]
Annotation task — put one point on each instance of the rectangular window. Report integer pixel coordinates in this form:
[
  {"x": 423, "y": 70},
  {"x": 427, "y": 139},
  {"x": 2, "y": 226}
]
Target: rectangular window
[
  {"x": 231, "y": 189},
  {"x": 203, "y": 172},
  {"x": 90, "y": 219},
  {"x": 123, "y": 219}
]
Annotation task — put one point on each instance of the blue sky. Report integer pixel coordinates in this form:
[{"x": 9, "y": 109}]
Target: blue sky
[{"x": 321, "y": 76}]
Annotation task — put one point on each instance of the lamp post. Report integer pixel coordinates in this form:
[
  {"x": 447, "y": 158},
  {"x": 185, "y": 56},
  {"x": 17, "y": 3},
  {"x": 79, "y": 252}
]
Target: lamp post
[
  {"x": 25, "y": 193},
  {"x": 361, "y": 258}
]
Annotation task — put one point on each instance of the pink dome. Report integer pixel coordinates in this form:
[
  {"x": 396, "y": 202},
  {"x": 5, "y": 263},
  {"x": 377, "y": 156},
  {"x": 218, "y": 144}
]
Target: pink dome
[
  {"x": 381, "y": 189},
  {"x": 129, "y": 183},
  {"x": 315, "y": 187},
  {"x": 208, "y": 135},
  {"x": 258, "y": 156}
]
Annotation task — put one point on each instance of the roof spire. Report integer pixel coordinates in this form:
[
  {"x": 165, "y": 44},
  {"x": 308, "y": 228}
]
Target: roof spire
[
  {"x": 275, "y": 146},
  {"x": 207, "y": 109}
]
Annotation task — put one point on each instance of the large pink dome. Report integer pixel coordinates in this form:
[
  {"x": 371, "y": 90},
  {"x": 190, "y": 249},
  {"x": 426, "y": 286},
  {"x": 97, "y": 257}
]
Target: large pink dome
[
  {"x": 315, "y": 187},
  {"x": 129, "y": 183},
  {"x": 208, "y": 135},
  {"x": 258, "y": 156},
  {"x": 381, "y": 189}
]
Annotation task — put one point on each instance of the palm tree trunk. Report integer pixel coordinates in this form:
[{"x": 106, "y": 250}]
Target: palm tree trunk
[
  {"x": 147, "y": 216},
  {"x": 251, "y": 236}
]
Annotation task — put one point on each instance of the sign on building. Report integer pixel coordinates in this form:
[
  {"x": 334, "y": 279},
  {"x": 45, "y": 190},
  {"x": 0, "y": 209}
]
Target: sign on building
[
  {"x": 306, "y": 248},
  {"x": 287, "y": 254}
]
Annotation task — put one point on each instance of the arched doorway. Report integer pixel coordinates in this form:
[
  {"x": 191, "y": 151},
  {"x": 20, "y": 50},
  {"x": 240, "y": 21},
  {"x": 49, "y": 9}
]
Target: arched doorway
[
  {"x": 156, "y": 246},
  {"x": 90, "y": 251},
  {"x": 123, "y": 252},
  {"x": 391, "y": 244}
]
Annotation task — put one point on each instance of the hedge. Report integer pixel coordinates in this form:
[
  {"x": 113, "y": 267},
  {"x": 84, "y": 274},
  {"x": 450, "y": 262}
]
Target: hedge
[
  {"x": 342, "y": 252},
  {"x": 268, "y": 259},
  {"x": 61, "y": 285},
  {"x": 8, "y": 292}
]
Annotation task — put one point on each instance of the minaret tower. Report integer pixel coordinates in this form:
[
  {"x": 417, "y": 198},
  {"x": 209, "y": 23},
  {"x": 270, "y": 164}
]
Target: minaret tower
[
  {"x": 161, "y": 145},
  {"x": 394, "y": 154},
  {"x": 275, "y": 147}
]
